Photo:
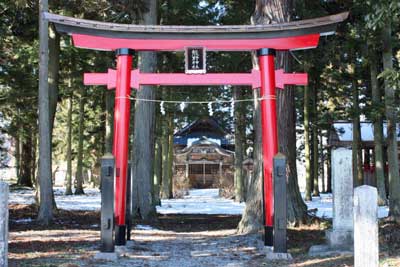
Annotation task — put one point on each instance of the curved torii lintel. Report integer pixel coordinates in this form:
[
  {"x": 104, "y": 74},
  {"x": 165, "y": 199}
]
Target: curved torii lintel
[{"x": 111, "y": 36}]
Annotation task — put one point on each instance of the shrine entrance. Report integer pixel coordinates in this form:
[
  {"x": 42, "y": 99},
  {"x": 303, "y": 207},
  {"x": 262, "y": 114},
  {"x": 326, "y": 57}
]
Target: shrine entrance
[{"x": 195, "y": 41}]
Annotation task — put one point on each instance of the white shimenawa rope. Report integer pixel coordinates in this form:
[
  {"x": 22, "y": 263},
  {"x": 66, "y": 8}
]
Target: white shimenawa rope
[{"x": 162, "y": 102}]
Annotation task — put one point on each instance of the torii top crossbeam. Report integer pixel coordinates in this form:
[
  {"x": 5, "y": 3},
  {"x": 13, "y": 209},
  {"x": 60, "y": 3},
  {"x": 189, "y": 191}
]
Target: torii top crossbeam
[{"x": 111, "y": 36}]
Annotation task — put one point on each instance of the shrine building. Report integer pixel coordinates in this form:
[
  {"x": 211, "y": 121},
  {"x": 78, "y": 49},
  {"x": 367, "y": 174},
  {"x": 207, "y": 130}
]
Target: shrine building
[{"x": 204, "y": 154}]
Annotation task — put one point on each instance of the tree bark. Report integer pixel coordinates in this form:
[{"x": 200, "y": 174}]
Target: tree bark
[
  {"x": 171, "y": 154},
  {"x": 45, "y": 182},
  {"x": 297, "y": 210},
  {"x": 329, "y": 171},
  {"x": 378, "y": 130},
  {"x": 356, "y": 144},
  {"x": 54, "y": 67},
  {"x": 79, "y": 166},
  {"x": 280, "y": 11},
  {"x": 17, "y": 155},
  {"x": 307, "y": 151},
  {"x": 165, "y": 181},
  {"x": 391, "y": 115},
  {"x": 322, "y": 163},
  {"x": 157, "y": 172},
  {"x": 239, "y": 145},
  {"x": 68, "y": 178},
  {"x": 267, "y": 12},
  {"x": 26, "y": 160},
  {"x": 34, "y": 162},
  {"x": 143, "y": 143},
  {"x": 315, "y": 142},
  {"x": 109, "y": 121},
  {"x": 252, "y": 218}
]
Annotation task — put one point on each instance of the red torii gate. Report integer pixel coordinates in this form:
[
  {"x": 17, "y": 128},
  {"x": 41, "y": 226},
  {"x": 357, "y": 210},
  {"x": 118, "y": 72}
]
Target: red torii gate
[{"x": 125, "y": 39}]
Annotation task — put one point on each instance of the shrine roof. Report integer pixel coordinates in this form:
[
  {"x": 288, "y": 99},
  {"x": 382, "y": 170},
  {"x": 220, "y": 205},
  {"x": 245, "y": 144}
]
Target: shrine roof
[
  {"x": 205, "y": 127},
  {"x": 205, "y": 142},
  {"x": 202, "y": 125},
  {"x": 342, "y": 133}
]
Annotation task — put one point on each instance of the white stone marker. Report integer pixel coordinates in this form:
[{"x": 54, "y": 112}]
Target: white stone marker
[
  {"x": 341, "y": 235},
  {"x": 3, "y": 224},
  {"x": 366, "y": 242}
]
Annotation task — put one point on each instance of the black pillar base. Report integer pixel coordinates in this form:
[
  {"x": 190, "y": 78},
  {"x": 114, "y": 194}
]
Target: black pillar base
[
  {"x": 128, "y": 231},
  {"x": 268, "y": 236},
  {"x": 120, "y": 235}
]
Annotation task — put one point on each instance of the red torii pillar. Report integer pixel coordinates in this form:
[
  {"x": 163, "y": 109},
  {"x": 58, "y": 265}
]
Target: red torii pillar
[
  {"x": 267, "y": 79},
  {"x": 121, "y": 139},
  {"x": 266, "y": 59}
]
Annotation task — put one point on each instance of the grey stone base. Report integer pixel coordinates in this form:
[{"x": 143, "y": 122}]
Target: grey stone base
[
  {"x": 108, "y": 256},
  {"x": 326, "y": 250},
  {"x": 271, "y": 255},
  {"x": 339, "y": 242},
  {"x": 130, "y": 244},
  {"x": 342, "y": 239},
  {"x": 122, "y": 251}
]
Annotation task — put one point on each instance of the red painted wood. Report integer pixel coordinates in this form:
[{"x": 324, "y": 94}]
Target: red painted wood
[
  {"x": 121, "y": 133},
  {"x": 175, "y": 79},
  {"x": 109, "y": 78},
  {"x": 286, "y": 43},
  {"x": 269, "y": 131},
  {"x": 283, "y": 79}
]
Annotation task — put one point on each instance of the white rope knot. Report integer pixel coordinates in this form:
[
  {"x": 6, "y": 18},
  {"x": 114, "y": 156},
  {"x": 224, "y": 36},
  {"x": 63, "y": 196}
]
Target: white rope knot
[
  {"x": 210, "y": 109},
  {"x": 182, "y": 106},
  {"x": 162, "y": 109},
  {"x": 232, "y": 108}
]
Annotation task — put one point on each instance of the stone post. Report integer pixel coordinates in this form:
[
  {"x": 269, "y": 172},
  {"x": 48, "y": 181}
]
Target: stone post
[
  {"x": 129, "y": 208},
  {"x": 187, "y": 170},
  {"x": 341, "y": 235},
  {"x": 279, "y": 251},
  {"x": 280, "y": 206},
  {"x": 107, "y": 203},
  {"x": 3, "y": 224},
  {"x": 366, "y": 242}
]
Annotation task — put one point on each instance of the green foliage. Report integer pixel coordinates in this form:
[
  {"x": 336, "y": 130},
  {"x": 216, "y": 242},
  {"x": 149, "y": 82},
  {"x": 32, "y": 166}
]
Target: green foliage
[
  {"x": 392, "y": 77},
  {"x": 379, "y": 12}
]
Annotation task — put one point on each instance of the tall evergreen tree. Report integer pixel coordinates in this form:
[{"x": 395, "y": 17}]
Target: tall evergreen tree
[
  {"x": 377, "y": 118},
  {"x": 45, "y": 175},
  {"x": 144, "y": 139}
]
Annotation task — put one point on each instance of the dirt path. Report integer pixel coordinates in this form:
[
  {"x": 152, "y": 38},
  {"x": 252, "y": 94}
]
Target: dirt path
[{"x": 171, "y": 241}]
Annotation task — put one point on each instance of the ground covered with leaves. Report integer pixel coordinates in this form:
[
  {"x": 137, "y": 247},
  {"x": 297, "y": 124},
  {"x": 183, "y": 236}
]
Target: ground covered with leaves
[{"x": 173, "y": 240}]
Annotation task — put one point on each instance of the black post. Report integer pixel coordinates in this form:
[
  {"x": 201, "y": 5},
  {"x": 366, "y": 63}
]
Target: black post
[
  {"x": 107, "y": 203},
  {"x": 280, "y": 206},
  {"x": 128, "y": 218}
]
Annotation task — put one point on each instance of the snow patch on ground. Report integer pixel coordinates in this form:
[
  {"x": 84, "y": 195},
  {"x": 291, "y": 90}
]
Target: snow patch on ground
[
  {"x": 201, "y": 201},
  {"x": 144, "y": 227},
  {"x": 23, "y": 221},
  {"x": 90, "y": 201},
  {"x": 324, "y": 205},
  {"x": 21, "y": 197}
]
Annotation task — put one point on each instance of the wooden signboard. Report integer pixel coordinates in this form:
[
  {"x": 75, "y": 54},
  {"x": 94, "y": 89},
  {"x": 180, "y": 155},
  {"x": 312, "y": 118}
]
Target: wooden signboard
[{"x": 195, "y": 60}]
